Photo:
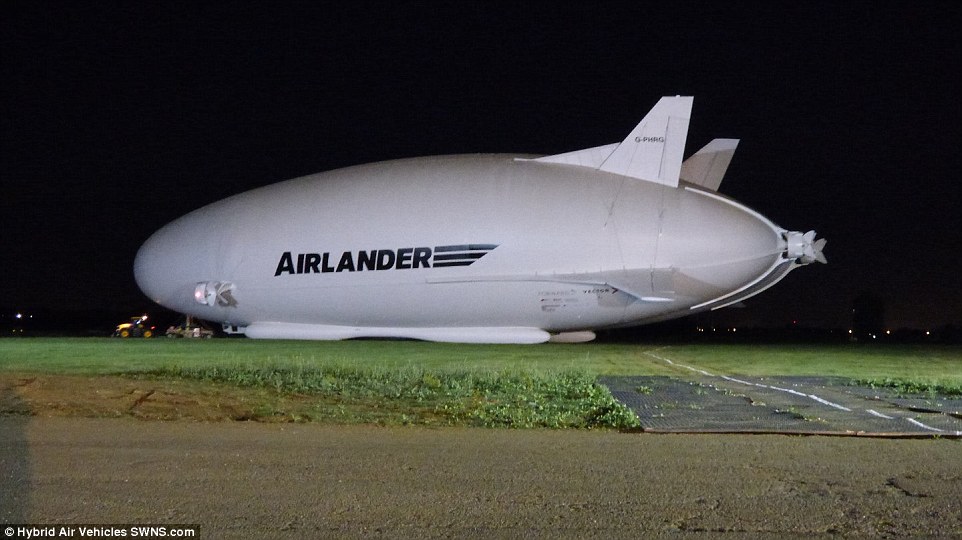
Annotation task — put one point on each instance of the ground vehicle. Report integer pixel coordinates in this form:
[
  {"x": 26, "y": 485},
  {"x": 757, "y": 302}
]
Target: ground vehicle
[{"x": 137, "y": 327}]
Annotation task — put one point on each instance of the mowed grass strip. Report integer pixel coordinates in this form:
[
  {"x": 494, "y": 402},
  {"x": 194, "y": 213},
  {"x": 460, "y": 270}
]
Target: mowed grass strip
[{"x": 107, "y": 356}]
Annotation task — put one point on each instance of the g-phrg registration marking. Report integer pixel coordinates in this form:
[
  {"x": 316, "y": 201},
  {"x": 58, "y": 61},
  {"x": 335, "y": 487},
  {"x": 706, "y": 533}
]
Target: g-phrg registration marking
[{"x": 374, "y": 260}]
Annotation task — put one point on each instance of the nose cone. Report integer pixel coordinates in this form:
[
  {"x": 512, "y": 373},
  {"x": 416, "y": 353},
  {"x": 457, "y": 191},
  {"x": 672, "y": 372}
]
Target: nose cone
[
  {"x": 159, "y": 266},
  {"x": 173, "y": 260},
  {"x": 717, "y": 244}
]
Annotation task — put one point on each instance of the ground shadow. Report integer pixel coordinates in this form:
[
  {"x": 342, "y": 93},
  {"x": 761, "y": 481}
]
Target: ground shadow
[{"x": 14, "y": 452}]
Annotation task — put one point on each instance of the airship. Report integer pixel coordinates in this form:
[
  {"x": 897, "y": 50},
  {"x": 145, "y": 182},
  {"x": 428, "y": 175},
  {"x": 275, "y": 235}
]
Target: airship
[{"x": 481, "y": 248}]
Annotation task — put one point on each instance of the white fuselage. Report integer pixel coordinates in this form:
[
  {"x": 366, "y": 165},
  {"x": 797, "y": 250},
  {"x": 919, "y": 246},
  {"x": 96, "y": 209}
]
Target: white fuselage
[{"x": 418, "y": 247}]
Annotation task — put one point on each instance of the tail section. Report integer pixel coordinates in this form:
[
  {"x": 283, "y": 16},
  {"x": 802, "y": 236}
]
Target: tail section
[{"x": 707, "y": 166}]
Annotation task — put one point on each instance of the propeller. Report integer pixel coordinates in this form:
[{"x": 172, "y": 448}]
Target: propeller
[
  {"x": 212, "y": 293},
  {"x": 804, "y": 248},
  {"x": 225, "y": 296},
  {"x": 817, "y": 248}
]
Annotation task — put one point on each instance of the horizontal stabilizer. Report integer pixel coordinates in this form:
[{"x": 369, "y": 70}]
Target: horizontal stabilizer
[
  {"x": 589, "y": 157},
  {"x": 707, "y": 167},
  {"x": 653, "y": 151}
]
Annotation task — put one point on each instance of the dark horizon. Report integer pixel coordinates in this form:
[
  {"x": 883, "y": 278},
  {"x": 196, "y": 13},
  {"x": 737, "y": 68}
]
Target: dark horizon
[
  {"x": 708, "y": 327},
  {"x": 119, "y": 118}
]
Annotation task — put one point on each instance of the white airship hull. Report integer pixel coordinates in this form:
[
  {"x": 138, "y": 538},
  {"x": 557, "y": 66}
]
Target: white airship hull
[{"x": 476, "y": 248}]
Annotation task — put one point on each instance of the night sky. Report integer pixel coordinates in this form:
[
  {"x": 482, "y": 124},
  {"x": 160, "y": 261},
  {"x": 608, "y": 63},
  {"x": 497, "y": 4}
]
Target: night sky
[{"x": 118, "y": 117}]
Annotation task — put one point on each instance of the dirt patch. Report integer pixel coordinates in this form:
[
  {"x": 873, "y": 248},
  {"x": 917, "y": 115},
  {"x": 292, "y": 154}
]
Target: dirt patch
[
  {"x": 149, "y": 399},
  {"x": 152, "y": 398}
]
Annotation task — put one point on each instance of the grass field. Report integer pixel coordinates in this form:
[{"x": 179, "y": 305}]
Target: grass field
[
  {"x": 399, "y": 382},
  {"x": 105, "y": 355},
  {"x": 86, "y": 356}
]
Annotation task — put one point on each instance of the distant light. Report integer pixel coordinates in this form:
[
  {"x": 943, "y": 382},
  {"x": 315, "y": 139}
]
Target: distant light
[
  {"x": 19, "y": 315},
  {"x": 927, "y": 332},
  {"x": 888, "y": 332},
  {"x": 849, "y": 331}
]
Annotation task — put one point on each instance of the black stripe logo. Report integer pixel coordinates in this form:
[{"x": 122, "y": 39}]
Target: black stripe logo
[{"x": 460, "y": 255}]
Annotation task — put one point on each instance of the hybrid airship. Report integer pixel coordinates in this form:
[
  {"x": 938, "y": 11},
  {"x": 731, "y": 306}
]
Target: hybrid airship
[{"x": 479, "y": 248}]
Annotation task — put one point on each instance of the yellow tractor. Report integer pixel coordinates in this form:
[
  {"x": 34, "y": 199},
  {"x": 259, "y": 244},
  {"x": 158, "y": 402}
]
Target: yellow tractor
[{"x": 137, "y": 327}]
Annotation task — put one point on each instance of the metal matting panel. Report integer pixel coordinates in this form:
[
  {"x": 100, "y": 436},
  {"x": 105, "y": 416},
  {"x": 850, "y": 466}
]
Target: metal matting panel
[{"x": 706, "y": 402}]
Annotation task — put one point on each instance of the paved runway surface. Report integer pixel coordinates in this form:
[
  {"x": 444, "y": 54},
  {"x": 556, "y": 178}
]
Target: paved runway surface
[{"x": 244, "y": 480}]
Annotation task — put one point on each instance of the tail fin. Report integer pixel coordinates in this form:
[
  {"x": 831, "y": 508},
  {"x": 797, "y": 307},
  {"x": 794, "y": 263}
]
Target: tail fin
[
  {"x": 707, "y": 166},
  {"x": 652, "y": 151}
]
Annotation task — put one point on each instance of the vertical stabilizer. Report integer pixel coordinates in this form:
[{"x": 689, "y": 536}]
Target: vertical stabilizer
[
  {"x": 654, "y": 150},
  {"x": 707, "y": 167}
]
